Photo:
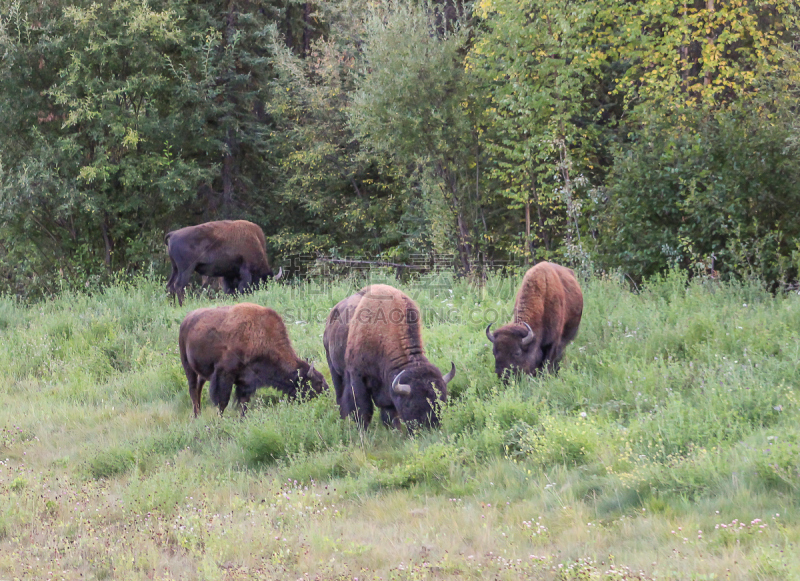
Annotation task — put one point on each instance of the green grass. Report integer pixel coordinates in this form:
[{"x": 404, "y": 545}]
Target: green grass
[{"x": 667, "y": 447}]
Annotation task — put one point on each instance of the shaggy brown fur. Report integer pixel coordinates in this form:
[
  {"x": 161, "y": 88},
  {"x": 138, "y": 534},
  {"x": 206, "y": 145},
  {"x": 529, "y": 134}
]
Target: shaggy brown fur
[
  {"x": 235, "y": 250},
  {"x": 244, "y": 345},
  {"x": 550, "y": 302},
  {"x": 371, "y": 339},
  {"x": 335, "y": 339}
]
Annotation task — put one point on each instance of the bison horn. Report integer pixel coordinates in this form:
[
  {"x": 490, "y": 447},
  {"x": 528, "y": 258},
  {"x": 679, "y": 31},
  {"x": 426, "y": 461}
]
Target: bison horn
[
  {"x": 489, "y": 334},
  {"x": 279, "y": 275},
  {"x": 451, "y": 374},
  {"x": 400, "y": 388},
  {"x": 310, "y": 370},
  {"x": 529, "y": 337}
]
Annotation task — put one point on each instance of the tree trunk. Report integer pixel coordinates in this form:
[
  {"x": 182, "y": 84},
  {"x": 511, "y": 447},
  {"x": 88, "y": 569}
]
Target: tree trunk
[
  {"x": 528, "y": 253},
  {"x": 709, "y": 38},
  {"x": 109, "y": 245},
  {"x": 289, "y": 36},
  {"x": 227, "y": 175},
  {"x": 228, "y": 159},
  {"x": 464, "y": 249},
  {"x": 683, "y": 51},
  {"x": 306, "y": 29}
]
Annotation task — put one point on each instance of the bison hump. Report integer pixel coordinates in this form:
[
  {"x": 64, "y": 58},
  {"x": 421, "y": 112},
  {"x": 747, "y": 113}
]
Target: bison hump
[{"x": 385, "y": 329}]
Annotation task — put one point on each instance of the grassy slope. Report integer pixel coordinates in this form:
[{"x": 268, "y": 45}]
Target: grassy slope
[{"x": 676, "y": 412}]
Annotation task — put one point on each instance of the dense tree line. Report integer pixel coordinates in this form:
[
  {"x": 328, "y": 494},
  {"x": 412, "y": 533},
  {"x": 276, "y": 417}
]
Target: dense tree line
[{"x": 603, "y": 134}]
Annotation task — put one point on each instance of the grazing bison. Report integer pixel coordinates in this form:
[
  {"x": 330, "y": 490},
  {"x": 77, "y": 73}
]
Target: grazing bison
[
  {"x": 244, "y": 345},
  {"x": 546, "y": 317},
  {"x": 235, "y": 250},
  {"x": 374, "y": 348}
]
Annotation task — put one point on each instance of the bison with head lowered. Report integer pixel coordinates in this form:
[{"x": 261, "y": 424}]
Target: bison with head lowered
[
  {"x": 245, "y": 345},
  {"x": 235, "y": 250},
  {"x": 547, "y": 315},
  {"x": 374, "y": 346}
]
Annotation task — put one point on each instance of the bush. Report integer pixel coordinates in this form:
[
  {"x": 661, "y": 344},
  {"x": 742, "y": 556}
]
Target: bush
[
  {"x": 263, "y": 445},
  {"x": 111, "y": 462},
  {"x": 431, "y": 464},
  {"x": 556, "y": 440},
  {"x": 778, "y": 465},
  {"x": 707, "y": 190}
]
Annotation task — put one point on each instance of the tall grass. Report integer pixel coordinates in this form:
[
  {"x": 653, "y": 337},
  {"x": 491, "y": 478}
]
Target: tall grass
[{"x": 675, "y": 411}]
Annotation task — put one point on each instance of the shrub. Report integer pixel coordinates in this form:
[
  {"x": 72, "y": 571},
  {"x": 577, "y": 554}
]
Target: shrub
[
  {"x": 778, "y": 464},
  {"x": 557, "y": 440},
  {"x": 429, "y": 464},
  {"x": 111, "y": 462},
  {"x": 263, "y": 445},
  {"x": 707, "y": 190}
]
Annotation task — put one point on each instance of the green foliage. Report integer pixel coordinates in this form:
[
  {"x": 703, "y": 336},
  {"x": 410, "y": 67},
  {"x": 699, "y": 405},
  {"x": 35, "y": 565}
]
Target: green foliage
[
  {"x": 601, "y": 135},
  {"x": 415, "y": 103},
  {"x": 555, "y": 441},
  {"x": 539, "y": 70},
  {"x": 348, "y": 195},
  {"x": 291, "y": 430},
  {"x": 716, "y": 193},
  {"x": 87, "y": 189},
  {"x": 778, "y": 465},
  {"x": 263, "y": 445},
  {"x": 696, "y": 55},
  {"x": 433, "y": 463}
]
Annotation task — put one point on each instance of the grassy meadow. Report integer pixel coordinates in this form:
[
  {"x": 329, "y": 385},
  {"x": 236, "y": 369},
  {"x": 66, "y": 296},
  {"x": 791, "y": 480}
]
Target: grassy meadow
[{"x": 668, "y": 447}]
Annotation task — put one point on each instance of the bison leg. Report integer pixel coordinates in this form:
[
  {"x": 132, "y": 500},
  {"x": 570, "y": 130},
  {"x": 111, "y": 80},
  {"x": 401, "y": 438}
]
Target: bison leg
[
  {"x": 245, "y": 278},
  {"x": 356, "y": 400},
  {"x": 196, "y": 395},
  {"x": 338, "y": 384},
  {"x": 390, "y": 418},
  {"x": 243, "y": 401},
  {"x": 195, "y": 381},
  {"x": 179, "y": 284},
  {"x": 195, "y": 388},
  {"x": 173, "y": 275},
  {"x": 553, "y": 362},
  {"x": 229, "y": 285},
  {"x": 220, "y": 389}
]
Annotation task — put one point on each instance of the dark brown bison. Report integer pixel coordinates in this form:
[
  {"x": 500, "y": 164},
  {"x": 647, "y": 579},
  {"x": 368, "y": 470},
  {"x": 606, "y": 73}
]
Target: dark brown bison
[
  {"x": 374, "y": 348},
  {"x": 235, "y": 250},
  {"x": 546, "y": 317},
  {"x": 245, "y": 345}
]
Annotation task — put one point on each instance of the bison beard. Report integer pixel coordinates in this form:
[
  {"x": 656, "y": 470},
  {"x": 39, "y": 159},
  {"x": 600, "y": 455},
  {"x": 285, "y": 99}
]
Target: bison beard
[
  {"x": 235, "y": 250},
  {"x": 547, "y": 314},
  {"x": 374, "y": 348},
  {"x": 245, "y": 345}
]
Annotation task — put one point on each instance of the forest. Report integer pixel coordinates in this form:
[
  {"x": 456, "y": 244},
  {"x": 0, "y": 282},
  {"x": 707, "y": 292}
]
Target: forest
[{"x": 629, "y": 137}]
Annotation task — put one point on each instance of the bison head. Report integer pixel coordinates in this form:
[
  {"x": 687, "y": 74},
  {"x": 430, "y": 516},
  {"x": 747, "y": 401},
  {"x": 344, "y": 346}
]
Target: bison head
[
  {"x": 268, "y": 276},
  {"x": 310, "y": 381},
  {"x": 414, "y": 391},
  {"x": 515, "y": 349}
]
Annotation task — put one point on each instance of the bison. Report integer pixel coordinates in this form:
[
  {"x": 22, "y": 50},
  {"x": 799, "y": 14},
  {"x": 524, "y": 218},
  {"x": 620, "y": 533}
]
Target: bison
[
  {"x": 244, "y": 345},
  {"x": 547, "y": 314},
  {"x": 235, "y": 250},
  {"x": 374, "y": 348}
]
